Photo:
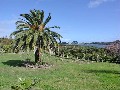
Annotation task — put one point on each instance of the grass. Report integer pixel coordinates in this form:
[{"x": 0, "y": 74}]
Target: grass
[{"x": 65, "y": 74}]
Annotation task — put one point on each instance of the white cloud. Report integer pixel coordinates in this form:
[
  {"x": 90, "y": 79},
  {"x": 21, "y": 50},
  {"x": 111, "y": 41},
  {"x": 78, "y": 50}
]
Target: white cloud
[{"x": 95, "y": 3}]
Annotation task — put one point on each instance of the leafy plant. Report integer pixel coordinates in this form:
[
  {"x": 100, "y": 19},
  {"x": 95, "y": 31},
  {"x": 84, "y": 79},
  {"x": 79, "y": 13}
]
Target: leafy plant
[{"x": 25, "y": 84}]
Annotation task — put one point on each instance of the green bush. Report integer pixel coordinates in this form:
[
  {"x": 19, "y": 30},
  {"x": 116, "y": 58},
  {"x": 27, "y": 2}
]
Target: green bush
[{"x": 87, "y": 53}]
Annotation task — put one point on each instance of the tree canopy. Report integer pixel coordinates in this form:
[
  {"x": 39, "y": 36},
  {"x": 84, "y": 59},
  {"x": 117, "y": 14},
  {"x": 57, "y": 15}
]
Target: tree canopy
[{"x": 32, "y": 31}]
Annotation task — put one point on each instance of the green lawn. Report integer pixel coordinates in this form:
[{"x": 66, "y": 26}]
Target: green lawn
[{"x": 65, "y": 74}]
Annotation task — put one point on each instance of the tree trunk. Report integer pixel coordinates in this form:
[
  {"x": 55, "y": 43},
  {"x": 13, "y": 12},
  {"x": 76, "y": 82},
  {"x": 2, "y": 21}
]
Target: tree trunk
[
  {"x": 37, "y": 55},
  {"x": 50, "y": 51},
  {"x": 63, "y": 55},
  {"x": 77, "y": 57},
  {"x": 58, "y": 51},
  {"x": 67, "y": 56}
]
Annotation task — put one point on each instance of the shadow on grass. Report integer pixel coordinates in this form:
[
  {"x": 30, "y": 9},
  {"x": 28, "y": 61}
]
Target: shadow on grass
[
  {"x": 102, "y": 71},
  {"x": 16, "y": 63}
]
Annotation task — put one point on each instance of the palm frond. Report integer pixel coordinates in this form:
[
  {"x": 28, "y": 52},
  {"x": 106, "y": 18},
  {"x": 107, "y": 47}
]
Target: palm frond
[
  {"x": 28, "y": 18},
  {"x": 48, "y": 19},
  {"x": 15, "y": 32},
  {"x": 22, "y": 26},
  {"x": 55, "y": 27},
  {"x": 42, "y": 16}
]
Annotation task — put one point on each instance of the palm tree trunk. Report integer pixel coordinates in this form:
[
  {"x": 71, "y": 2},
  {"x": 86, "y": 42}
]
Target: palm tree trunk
[
  {"x": 58, "y": 51},
  {"x": 40, "y": 55},
  {"x": 36, "y": 55}
]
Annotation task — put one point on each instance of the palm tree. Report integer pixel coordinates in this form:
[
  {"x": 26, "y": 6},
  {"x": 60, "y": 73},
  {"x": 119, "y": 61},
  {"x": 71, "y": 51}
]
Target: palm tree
[{"x": 33, "y": 33}]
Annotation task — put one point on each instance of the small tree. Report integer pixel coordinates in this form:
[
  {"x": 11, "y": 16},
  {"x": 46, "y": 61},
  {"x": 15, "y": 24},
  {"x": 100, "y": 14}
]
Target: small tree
[{"x": 33, "y": 33}]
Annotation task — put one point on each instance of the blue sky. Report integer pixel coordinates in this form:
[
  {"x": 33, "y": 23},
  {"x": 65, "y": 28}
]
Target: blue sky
[{"x": 81, "y": 20}]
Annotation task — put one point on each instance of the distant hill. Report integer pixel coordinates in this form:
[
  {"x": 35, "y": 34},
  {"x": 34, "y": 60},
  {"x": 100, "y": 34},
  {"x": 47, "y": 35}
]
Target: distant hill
[{"x": 105, "y": 43}]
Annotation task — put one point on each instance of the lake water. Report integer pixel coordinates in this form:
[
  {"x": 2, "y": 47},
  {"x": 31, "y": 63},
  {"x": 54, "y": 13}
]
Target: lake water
[{"x": 94, "y": 45}]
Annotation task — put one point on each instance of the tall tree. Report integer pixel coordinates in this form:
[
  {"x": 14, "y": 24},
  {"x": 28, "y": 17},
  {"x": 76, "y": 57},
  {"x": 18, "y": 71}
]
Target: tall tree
[{"x": 32, "y": 32}]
